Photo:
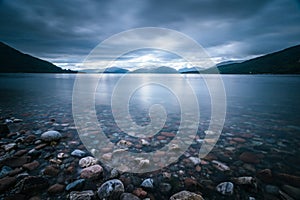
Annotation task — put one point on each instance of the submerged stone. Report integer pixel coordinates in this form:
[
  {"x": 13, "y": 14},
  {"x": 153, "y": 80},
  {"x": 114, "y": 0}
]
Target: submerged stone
[{"x": 111, "y": 189}]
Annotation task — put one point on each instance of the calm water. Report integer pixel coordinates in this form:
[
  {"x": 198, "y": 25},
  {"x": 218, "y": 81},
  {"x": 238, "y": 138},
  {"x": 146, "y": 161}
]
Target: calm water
[{"x": 258, "y": 102}]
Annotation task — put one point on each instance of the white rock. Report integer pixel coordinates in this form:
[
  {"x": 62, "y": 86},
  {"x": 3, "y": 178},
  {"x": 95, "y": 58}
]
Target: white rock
[
  {"x": 111, "y": 189},
  {"x": 225, "y": 188},
  {"x": 147, "y": 183},
  {"x": 50, "y": 136},
  {"x": 78, "y": 153},
  {"x": 186, "y": 195},
  {"x": 87, "y": 161},
  {"x": 195, "y": 160},
  {"x": 220, "y": 166}
]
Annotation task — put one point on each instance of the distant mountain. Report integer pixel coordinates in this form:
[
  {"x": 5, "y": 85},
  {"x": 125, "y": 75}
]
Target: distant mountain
[
  {"x": 189, "y": 69},
  {"x": 117, "y": 70},
  {"x": 156, "y": 70},
  {"x": 14, "y": 61},
  {"x": 229, "y": 62},
  {"x": 286, "y": 61}
]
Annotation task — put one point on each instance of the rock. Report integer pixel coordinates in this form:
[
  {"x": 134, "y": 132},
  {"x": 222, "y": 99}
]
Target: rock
[
  {"x": 78, "y": 153},
  {"x": 16, "y": 161},
  {"x": 287, "y": 178},
  {"x": 6, "y": 183},
  {"x": 87, "y": 161},
  {"x": 190, "y": 183},
  {"x": 128, "y": 196},
  {"x": 147, "y": 183},
  {"x": 292, "y": 191},
  {"x": 50, "y": 136},
  {"x": 107, "y": 156},
  {"x": 4, "y": 130},
  {"x": 111, "y": 189},
  {"x": 225, "y": 188},
  {"x": 124, "y": 144},
  {"x": 51, "y": 171},
  {"x": 186, "y": 195},
  {"x": 239, "y": 140},
  {"x": 83, "y": 195},
  {"x": 249, "y": 157},
  {"x": 114, "y": 173},
  {"x": 92, "y": 172},
  {"x": 195, "y": 160},
  {"x": 272, "y": 189},
  {"x": 17, "y": 120},
  {"x": 9, "y": 146},
  {"x": 145, "y": 142},
  {"x": 20, "y": 152},
  {"x": 33, "y": 183},
  {"x": 265, "y": 175},
  {"x": 220, "y": 166},
  {"x": 76, "y": 185},
  {"x": 29, "y": 139},
  {"x": 165, "y": 187},
  {"x": 244, "y": 180},
  {"x": 56, "y": 188},
  {"x": 139, "y": 192},
  {"x": 31, "y": 166},
  {"x": 5, "y": 171}
]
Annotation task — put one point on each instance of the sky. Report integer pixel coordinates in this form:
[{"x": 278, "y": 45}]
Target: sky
[{"x": 64, "y": 32}]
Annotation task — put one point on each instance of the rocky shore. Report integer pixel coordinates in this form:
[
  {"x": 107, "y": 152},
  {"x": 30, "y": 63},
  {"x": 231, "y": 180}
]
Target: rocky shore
[{"x": 52, "y": 163}]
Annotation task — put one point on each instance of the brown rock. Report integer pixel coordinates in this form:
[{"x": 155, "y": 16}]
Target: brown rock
[
  {"x": 168, "y": 134},
  {"x": 6, "y": 183},
  {"x": 29, "y": 138},
  {"x": 21, "y": 152},
  {"x": 265, "y": 175},
  {"x": 31, "y": 166},
  {"x": 190, "y": 184},
  {"x": 15, "y": 171},
  {"x": 33, "y": 183},
  {"x": 51, "y": 171},
  {"x": 56, "y": 188},
  {"x": 249, "y": 157},
  {"x": 139, "y": 192},
  {"x": 289, "y": 179},
  {"x": 91, "y": 172},
  {"x": 16, "y": 161},
  {"x": 40, "y": 146},
  {"x": 239, "y": 140}
]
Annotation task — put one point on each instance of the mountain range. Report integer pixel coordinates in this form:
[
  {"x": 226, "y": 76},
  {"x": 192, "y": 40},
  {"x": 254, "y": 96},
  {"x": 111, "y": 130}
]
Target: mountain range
[
  {"x": 14, "y": 61},
  {"x": 286, "y": 61}
]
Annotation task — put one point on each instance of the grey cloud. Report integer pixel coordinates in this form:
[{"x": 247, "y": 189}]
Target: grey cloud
[{"x": 67, "y": 30}]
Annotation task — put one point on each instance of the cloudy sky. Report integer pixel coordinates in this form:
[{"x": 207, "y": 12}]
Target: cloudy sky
[{"x": 65, "y": 31}]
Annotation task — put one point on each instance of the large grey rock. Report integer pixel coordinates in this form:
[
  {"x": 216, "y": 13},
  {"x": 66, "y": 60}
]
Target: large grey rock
[
  {"x": 225, "y": 188},
  {"x": 111, "y": 189},
  {"x": 50, "y": 136}
]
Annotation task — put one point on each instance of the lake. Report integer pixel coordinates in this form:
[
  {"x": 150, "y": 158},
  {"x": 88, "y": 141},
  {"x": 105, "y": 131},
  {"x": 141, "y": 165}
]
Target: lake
[{"x": 261, "y": 130}]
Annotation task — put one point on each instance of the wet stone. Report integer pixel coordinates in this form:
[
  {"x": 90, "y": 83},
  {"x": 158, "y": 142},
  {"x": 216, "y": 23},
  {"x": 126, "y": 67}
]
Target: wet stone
[
  {"x": 128, "y": 196},
  {"x": 78, "y": 153},
  {"x": 56, "y": 188},
  {"x": 6, "y": 183},
  {"x": 51, "y": 171},
  {"x": 76, "y": 185},
  {"x": 4, "y": 130},
  {"x": 139, "y": 192},
  {"x": 249, "y": 157},
  {"x": 34, "y": 183},
  {"x": 87, "y": 161},
  {"x": 147, "y": 183},
  {"x": 83, "y": 195},
  {"x": 50, "y": 136},
  {"x": 186, "y": 195},
  {"x": 16, "y": 161},
  {"x": 225, "y": 188},
  {"x": 92, "y": 172},
  {"x": 111, "y": 189},
  {"x": 272, "y": 189},
  {"x": 31, "y": 166},
  {"x": 5, "y": 171}
]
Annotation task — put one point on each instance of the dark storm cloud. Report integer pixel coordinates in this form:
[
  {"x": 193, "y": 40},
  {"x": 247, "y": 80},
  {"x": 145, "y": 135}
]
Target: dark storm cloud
[{"x": 66, "y": 31}]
